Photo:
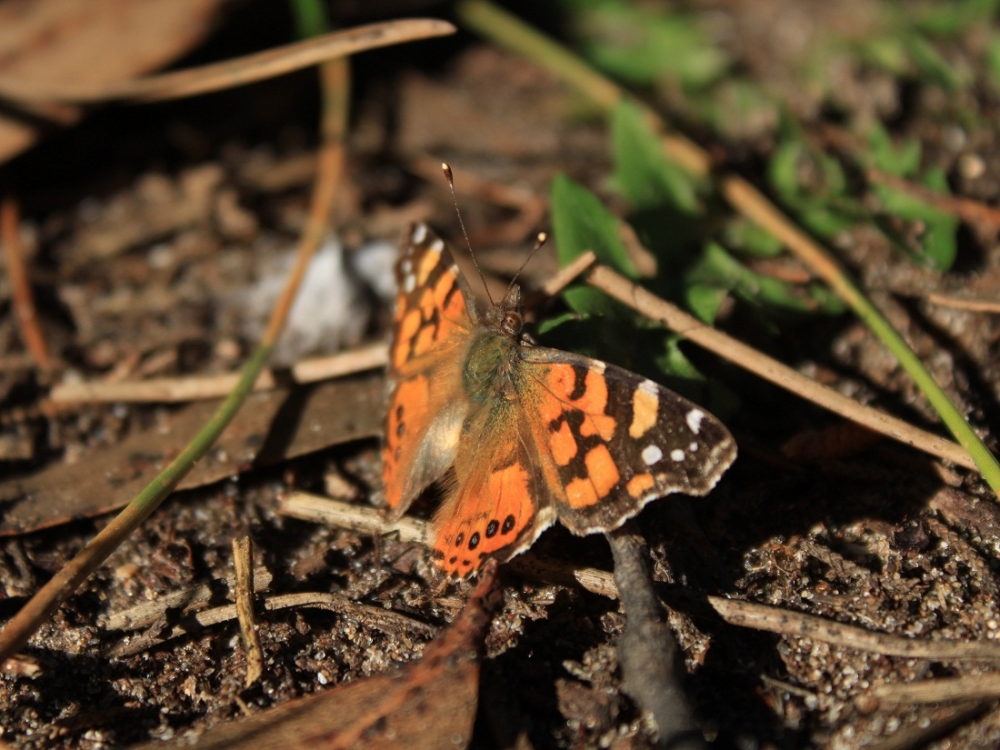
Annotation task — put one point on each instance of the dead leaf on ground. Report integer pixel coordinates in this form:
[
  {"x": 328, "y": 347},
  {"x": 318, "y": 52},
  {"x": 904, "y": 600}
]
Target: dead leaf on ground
[
  {"x": 89, "y": 41},
  {"x": 428, "y": 705},
  {"x": 272, "y": 427}
]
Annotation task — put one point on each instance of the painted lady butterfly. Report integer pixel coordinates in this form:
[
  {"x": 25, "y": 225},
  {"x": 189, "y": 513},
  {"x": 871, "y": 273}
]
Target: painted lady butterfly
[{"x": 533, "y": 434}]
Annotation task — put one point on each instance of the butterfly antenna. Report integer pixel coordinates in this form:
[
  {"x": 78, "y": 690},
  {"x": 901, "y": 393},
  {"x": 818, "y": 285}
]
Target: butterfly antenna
[
  {"x": 540, "y": 239},
  {"x": 446, "y": 168}
]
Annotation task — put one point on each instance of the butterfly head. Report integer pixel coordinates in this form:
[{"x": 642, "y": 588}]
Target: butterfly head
[{"x": 505, "y": 316}]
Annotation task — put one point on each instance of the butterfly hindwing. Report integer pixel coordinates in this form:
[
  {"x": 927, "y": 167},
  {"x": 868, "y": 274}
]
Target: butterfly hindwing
[
  {"x": 617, "y": 440},
  {"x": 497, "y": 502}
]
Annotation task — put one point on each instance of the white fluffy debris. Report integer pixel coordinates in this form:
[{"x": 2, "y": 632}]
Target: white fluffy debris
[{"x": 334, "y": 306}]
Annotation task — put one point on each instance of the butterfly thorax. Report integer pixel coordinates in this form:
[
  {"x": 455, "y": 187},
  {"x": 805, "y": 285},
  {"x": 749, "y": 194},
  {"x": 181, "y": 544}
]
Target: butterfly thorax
[{"x": 493, "y": 356}]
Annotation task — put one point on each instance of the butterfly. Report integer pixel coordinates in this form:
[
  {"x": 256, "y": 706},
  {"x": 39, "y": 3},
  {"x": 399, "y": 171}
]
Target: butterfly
[{"x": 522, "y": 435}]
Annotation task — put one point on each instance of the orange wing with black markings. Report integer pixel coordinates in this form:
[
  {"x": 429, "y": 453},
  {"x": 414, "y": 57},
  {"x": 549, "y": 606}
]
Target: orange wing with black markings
[
  {"x": 533, "y": 434},
  {"x": 432, "y": 325},
  {"x": 499, "y": 502},
  {"x": 616, "y": 440}
]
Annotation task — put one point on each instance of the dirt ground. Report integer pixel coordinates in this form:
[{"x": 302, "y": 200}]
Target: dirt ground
[{"x": 148, "y": 231}]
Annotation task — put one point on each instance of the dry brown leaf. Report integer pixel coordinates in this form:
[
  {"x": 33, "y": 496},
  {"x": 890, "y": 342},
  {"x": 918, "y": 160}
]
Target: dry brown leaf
[
  {"x": 271, "y": 427},
  {"x": 90, "y": 41}
]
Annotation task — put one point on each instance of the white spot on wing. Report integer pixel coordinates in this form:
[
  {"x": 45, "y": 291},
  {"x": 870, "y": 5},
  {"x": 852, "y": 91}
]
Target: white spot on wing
[
  {"x": 409, "y": 283},
  {"x": 597, "y": 366},
  {"x": 694, "y": 418},
  {"x": 438, "y": 245},
  {"x": 677, "y": 455},
  {"x": 693, "y": 447},
  {"x": 649, "y": 387},
  {"x": 419, "y": 234},
  {"x": 651, "y": 454}
]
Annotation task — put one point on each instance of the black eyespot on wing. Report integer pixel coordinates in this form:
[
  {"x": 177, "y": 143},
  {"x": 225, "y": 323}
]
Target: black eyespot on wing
[
  {"x": 491, "y": 528},
  {"x": 508, "y": 524},
  {"x": 459, "y": 539},
  {"x": 474, "y": 540}
]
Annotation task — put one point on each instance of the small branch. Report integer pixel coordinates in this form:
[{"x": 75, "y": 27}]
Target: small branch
[
  {"x": 760, "y": 364},
  {"x": 943, "y": 689},
  {"x": 647, "y": 651},
  {"x": 377, "y": 617},
  {"x": 145, "y": 614},
  {"x": 364, "y": 519},
  {"x": 242, "y": 561},
  {"x": 171, "y": 390},
  {"x": 567, "y": 275},
  {"x": 789, "y": 622},
  {"x": 21, "y": 294},
  {"x": 232, "y": 73},
  {"x": 975, "y": 304}
]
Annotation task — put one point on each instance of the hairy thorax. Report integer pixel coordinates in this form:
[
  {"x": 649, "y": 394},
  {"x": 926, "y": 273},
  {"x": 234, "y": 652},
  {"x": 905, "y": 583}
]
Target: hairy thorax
[{"x": 489, "y": 367}]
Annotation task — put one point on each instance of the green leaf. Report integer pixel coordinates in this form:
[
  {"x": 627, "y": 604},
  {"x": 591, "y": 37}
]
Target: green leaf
[
  {"x": 674, "y": 362},
  {"x": 930, "y": 63},
  {"x": 938, "y": 243},
  {"x": 717, "y": 268},
  {"x": 580, "y": 223},
  {"x": 823, "y": 219},
  {"x": 737, "y": 107},
  {"x": 954, "y": 18},
  {"x": 888, "y": 53},
  {"x": 642, "y": 171},
  {"x": 705, "y": 301},
  {"x": 993, "y": 59},
  {"x": 783, "y": 169},
  {"x": 682, "y": 376},
  {"x": 550, "y": 324},
  {"x": 902, "y": 160},
  {"x": 751, "y": 239},
  {"x": 646, "y": 46}
]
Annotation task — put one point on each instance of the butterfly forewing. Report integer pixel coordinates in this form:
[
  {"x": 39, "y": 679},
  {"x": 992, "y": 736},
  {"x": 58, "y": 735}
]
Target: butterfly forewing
[{"x": 426, "y": 406}]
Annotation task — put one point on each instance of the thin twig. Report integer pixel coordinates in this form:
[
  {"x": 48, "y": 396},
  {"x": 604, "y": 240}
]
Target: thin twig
[
  {"x": 788, "y": 622},
  {"x": 942, "y": 689},
  {"x": 231, "y": 73},
  {"x": 760, "y": 364},
  {"x": 380, "y": 618},
  {"x": 648, "y": 653},
  {"x": 975, "y": 304},
  {"x": 568, "y": 274},
  {"x": 145, "y": 614},
  {"x": 22, "y": 297},
  {"x": 923, "y": 732},
  {"x": 370, "y": 521},
  {"x": 243, "y": 562},
  {"x": 194, "y": 388}
]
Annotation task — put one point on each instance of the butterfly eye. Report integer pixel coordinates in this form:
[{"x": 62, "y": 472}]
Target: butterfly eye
[{"x": 512, "y": 322}]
